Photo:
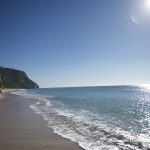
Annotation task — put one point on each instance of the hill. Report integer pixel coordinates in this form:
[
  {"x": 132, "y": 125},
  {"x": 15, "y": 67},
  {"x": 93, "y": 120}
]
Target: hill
[{"x": 12, "y": 78}]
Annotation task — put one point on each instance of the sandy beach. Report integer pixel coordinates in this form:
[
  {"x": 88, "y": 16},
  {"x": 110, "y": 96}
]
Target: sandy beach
[{"x": 22, "y": 129}]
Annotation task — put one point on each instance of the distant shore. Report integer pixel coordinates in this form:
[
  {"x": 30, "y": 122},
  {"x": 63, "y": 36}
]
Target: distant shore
[{"x": 22, "y": 129}]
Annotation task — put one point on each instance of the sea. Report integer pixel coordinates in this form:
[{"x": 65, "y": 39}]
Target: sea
[{"x": 97, "y": 118}]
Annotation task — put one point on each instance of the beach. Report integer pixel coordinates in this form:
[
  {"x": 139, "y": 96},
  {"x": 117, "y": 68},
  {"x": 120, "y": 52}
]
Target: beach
[{"x": 22, "y": 129}]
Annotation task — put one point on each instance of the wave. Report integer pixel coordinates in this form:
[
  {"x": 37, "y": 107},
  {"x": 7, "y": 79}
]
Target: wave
[{"x": 89, "y": 130}]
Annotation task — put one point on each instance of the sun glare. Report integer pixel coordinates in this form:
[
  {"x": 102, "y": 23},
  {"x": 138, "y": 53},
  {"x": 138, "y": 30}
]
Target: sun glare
[
  {"x": 147, "y": 86},
  {"x": 147, "y": 5}
]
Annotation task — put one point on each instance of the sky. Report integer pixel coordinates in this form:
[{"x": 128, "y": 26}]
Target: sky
[{"x": 61, "y": 43}]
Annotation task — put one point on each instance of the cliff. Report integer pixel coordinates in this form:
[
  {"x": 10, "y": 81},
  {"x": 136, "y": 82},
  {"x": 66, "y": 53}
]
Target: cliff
[{"x": 12, "y": 78}]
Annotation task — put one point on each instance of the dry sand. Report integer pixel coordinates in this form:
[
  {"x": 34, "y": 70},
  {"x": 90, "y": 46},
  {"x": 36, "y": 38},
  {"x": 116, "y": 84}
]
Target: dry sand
[{"x": 22, "y": 129}]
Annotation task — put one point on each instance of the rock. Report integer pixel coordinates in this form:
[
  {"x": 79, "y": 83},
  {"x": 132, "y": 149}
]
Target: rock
[
  {"x": 140, "y": 145},
  {"x": 12, "y": 78}
]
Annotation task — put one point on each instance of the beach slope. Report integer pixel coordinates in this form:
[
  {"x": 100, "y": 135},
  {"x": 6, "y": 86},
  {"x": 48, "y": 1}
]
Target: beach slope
[{"x": 22, "y": 129}]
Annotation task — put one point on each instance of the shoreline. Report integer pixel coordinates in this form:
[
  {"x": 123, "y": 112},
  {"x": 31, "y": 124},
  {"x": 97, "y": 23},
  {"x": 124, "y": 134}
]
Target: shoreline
[{"x": 21, "y": 128}]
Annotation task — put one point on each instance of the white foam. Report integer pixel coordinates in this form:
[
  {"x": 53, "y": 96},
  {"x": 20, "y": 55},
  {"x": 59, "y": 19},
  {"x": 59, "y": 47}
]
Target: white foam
[{"x": 80, "y": 134}]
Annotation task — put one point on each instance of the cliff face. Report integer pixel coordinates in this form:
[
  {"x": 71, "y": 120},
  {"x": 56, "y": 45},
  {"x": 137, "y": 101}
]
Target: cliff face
[{"x": 11, "y": 78}]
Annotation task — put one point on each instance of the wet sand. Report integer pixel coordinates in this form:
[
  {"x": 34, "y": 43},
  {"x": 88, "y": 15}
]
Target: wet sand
[{"x": 22, "y": 129}]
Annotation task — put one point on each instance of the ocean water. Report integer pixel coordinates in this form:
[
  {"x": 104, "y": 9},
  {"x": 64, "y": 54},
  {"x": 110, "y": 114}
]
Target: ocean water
[{"x": 97, "y": 118}]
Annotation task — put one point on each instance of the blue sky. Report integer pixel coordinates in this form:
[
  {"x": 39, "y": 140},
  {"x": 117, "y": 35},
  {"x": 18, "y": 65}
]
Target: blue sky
[{"x": 75, "y": 42}]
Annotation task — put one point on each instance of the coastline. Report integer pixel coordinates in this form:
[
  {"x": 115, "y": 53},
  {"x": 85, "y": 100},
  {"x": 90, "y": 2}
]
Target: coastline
[{"x": 21, "y": 128}]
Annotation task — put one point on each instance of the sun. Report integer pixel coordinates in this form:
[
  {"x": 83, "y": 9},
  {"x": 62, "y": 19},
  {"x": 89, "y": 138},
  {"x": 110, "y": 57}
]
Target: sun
[
  {"x": 147, "y": 4},
  {"x": 142, "y": 12}
]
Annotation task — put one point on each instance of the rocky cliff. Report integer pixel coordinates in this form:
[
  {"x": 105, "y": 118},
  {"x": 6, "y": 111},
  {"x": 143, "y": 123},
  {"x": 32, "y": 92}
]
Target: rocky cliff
[{"x": 12, "y": 78}]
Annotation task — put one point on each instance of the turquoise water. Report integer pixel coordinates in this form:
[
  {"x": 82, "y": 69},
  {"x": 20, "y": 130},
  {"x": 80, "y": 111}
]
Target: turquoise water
[{"x": 107, "y": 118}]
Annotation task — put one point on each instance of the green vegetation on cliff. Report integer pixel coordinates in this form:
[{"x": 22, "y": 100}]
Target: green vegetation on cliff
[{"x": 12, "y": 78}]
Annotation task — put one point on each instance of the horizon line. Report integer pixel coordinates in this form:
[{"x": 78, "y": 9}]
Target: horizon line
[{"x": 96, "y": 86}]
